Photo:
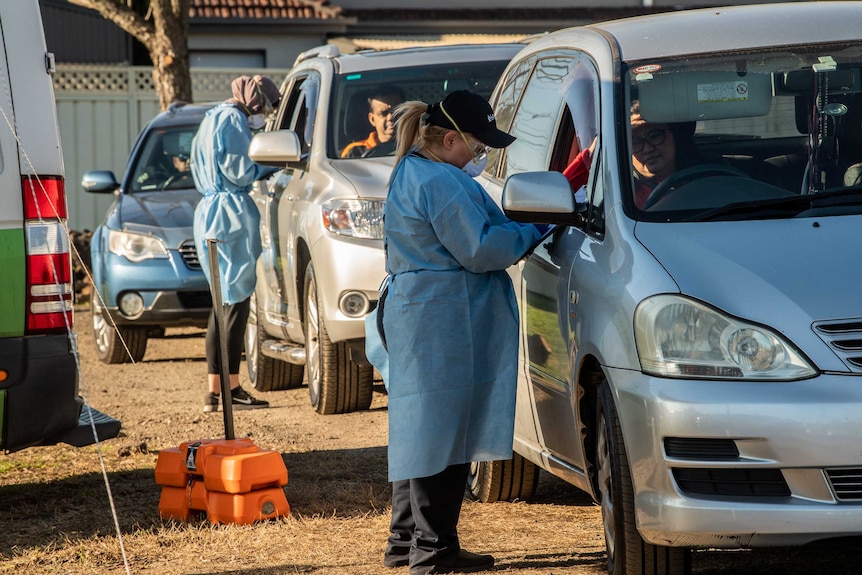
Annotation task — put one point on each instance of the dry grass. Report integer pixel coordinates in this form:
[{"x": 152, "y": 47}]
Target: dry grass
[{"x": 55, "y": 516}]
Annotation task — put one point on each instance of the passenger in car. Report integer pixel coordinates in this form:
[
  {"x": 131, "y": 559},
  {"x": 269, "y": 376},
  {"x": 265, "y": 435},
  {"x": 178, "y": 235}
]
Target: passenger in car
[
  {"x": 450, "y": 326},
  {"x": 224, "y": 174},
  {"x": 381, "y": 102}
]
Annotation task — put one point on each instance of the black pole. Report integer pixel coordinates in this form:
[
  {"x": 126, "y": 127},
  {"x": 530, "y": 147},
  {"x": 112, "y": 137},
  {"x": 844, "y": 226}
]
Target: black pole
[{"x": 221, "y": 328}]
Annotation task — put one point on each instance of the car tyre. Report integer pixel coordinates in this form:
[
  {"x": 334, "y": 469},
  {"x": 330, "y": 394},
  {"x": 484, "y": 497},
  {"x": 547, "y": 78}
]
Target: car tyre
[
  {"x": 335, "y": 384},
  {"x": 504, "y": 480},
  {"x": 266, "y": 373},
  {"x": 109, "y": 340},
  {"x": 627, "y": 552}
]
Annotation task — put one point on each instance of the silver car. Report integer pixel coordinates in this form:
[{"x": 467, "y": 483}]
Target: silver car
[
  {"x": 691, "y": 338},
  {"x": 322, "y": 215}
]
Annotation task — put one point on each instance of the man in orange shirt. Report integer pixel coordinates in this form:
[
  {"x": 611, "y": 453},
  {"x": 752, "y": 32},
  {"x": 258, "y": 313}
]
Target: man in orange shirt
[{"x": 381, "y": 102}]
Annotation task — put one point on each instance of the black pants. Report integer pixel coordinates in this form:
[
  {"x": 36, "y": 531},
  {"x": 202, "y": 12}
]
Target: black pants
[
  {"x": 425, "y": 515},
  {"x": 235, "y": 316}
]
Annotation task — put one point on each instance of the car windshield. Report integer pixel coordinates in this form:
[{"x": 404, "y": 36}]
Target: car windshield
[
  {"x": 163, "y": 162},
  {"x": 767, "y": 134},
  {"x": 363, "y": 102}
]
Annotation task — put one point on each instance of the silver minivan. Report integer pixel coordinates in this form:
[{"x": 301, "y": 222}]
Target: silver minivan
[{"x": 691, "y": 337}]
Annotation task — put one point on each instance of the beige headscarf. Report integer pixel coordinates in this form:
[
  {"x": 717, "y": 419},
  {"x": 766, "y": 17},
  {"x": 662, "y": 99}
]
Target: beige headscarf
[{"x": 253, "y": 93}]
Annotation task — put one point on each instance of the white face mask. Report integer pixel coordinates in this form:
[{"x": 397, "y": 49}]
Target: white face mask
[
  {"x": 476, "y": 165},
  {"x": 257, "y": 121}
]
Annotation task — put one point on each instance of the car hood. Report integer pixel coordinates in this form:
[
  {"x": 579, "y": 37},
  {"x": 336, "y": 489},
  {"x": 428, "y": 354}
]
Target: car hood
[
  {"x": 783, "y": 273},
  {"x": 167, "y": 215},
  {"x": 369, "y": 176}
]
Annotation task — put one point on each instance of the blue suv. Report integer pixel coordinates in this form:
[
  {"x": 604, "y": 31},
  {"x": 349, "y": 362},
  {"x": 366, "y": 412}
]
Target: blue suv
[{"x": 145, "y": 267}]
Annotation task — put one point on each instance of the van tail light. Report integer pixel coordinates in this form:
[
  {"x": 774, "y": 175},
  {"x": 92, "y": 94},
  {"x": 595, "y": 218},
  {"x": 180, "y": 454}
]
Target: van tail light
[{"x": 49, "y": 260}]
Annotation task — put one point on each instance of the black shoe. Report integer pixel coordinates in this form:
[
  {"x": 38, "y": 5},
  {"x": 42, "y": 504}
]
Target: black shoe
[
  {"x": 241, "y": 399},
  {"x": 465, "y": 562},
  {"x": 211, "y": 402}
]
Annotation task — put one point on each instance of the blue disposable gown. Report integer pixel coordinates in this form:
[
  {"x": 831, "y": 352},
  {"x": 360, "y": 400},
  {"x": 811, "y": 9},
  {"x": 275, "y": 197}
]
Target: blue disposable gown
[
  {"x": 224, "y": 174},
  {"x": 451, "y": 320}
]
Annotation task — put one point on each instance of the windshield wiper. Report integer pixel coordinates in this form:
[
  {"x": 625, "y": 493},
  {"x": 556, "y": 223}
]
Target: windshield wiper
[{"x": 782, "y": 207}]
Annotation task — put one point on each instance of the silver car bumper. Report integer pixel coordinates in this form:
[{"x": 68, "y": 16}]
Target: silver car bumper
[{"x": 790, "y": 482}]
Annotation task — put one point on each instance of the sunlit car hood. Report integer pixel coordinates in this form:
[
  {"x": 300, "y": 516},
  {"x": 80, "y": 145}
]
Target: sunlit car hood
[
  {"x": 168, "y": 215},
  {"x": 370, "y": 176},
  {"x": 743, "y": 268}
]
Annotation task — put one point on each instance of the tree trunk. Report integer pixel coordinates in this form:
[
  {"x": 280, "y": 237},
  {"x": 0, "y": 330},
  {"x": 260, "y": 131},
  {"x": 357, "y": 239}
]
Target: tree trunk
[
  {"x": 166, "y": 39},
  {"x": 170, "y": 52}
]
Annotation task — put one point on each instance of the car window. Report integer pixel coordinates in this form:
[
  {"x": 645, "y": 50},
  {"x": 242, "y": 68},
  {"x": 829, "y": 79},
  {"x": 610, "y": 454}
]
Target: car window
[
  {"x": 505, "y": 104},
  {"x": 745, "y": 135},
  {"x": 163, "y": 162},
  {"x": 349, "y": 108},
  {"x": 537, "y": 117},
  {"x": 300, "y": 110}
]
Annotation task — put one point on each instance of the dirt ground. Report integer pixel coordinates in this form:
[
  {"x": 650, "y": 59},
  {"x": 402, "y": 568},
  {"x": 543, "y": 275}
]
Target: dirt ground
[{"x": 56, "y": 507}]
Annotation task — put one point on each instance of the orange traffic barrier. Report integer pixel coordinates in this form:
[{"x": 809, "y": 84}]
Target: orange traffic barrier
[{"x": 231, "y": 480}]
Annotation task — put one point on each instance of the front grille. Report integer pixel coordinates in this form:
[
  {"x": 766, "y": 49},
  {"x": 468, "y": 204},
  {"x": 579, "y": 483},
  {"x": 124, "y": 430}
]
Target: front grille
[
  {"x": 732, "y": 482},
  {"x": 846, "y": 483},
  {"x": 700, "y": 448},
  {"x": 195, "y": 299},
  {"x": 845, "y": 339},
  {"x": 189, "y": 253}
]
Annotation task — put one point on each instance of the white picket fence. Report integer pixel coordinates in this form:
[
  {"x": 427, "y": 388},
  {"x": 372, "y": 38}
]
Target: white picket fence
[{"x": 102, "y": 109}]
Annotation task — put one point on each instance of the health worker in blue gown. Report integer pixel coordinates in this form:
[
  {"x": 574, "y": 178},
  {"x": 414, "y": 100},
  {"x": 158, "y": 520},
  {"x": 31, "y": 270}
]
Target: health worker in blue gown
[
  {"x": 451, "y": 324},
  {"x": 224, "y": 174}
]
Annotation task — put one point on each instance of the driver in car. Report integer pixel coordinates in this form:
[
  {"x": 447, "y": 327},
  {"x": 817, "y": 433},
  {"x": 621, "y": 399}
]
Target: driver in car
[
  {"x": 380, "y": 104},
  {"x": 658, "y": 151}
]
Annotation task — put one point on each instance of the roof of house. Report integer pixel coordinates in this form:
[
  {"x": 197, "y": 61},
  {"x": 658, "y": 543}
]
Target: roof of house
[{"x": 260, "y": 9}]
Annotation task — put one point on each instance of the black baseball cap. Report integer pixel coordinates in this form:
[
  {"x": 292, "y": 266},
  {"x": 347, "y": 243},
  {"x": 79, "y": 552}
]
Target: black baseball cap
[{"x": 473, "y": 114}]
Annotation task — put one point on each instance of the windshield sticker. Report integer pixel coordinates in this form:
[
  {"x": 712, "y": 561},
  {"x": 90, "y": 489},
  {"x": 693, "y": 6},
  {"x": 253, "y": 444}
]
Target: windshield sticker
[
  {"x": 722, "y": 92},
  {"x": 647, "y": 69}
]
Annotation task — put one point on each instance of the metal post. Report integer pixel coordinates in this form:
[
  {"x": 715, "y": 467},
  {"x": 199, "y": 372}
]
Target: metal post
[{"x": 218, "y": 307}]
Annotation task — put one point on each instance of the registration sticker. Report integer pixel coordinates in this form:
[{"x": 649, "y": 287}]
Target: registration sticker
[{"x": 722, "y": 92}]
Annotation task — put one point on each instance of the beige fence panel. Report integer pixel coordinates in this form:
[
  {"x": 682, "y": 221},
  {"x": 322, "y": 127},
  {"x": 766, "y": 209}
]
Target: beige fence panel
[{"x": 102, "y": 109}]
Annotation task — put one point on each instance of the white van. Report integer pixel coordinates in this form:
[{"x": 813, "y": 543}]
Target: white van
[{"x": 39, "y": 401}]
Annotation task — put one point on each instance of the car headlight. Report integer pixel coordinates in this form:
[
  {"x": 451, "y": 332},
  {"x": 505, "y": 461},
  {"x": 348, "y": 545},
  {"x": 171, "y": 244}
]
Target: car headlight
[
  {"x": 680, "y": 337},
  {"x": 355, "y": 218},
  {"x": 136, "y": 247}
]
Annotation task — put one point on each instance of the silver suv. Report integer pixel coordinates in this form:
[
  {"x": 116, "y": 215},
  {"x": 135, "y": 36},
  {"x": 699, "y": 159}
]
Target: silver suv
[{"x": 322, "y": 216}]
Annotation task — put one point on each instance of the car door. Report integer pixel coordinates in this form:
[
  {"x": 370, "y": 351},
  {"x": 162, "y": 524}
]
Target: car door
[
  {"x": 277, "y": 205},
  {"x": 553, "y": 121}
]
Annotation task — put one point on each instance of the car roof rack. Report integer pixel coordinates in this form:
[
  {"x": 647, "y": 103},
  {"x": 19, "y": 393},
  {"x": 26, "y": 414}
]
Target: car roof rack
[{"x": 325, "y": 51}]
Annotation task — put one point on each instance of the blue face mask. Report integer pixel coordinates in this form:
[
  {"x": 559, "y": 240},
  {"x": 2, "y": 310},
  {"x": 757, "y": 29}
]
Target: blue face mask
[{"x": 476, "y": 165}]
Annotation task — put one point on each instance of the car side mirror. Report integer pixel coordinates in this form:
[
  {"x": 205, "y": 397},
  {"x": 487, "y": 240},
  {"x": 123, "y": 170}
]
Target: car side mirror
[
  {"x": 99, "y": 182},
  {"x": 539, "y": 198},
  {"x": 275, "y": 148}
]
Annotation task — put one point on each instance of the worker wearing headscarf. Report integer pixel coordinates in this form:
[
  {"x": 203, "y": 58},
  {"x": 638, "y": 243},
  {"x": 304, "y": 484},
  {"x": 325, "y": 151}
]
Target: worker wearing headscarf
[
  {"x": 450, "y": 323},
  {"x": 224, "y": 174}
]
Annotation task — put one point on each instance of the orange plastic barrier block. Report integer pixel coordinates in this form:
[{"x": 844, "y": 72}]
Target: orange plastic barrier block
[
  {"x": 232, "y": 480},
  {"x": 244, "y": 508},
  {"x": 171, "y": 468},
  {"x": 180, "y": 503},
  {"x": 243, "y": 472}
]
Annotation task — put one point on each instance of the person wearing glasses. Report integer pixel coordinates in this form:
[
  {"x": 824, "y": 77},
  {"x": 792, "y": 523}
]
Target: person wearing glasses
[
  {"x": 223, "y": 173},
  {"x": 381, "y": 102},
  {"x": 658, "y": 150},
  {"x": 450, "y": 324}
]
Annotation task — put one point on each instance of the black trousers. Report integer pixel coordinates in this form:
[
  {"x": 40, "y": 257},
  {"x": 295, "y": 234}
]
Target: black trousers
[
  {"x": 425, "y": 515},
  {"x": 235, "y": 316}
]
